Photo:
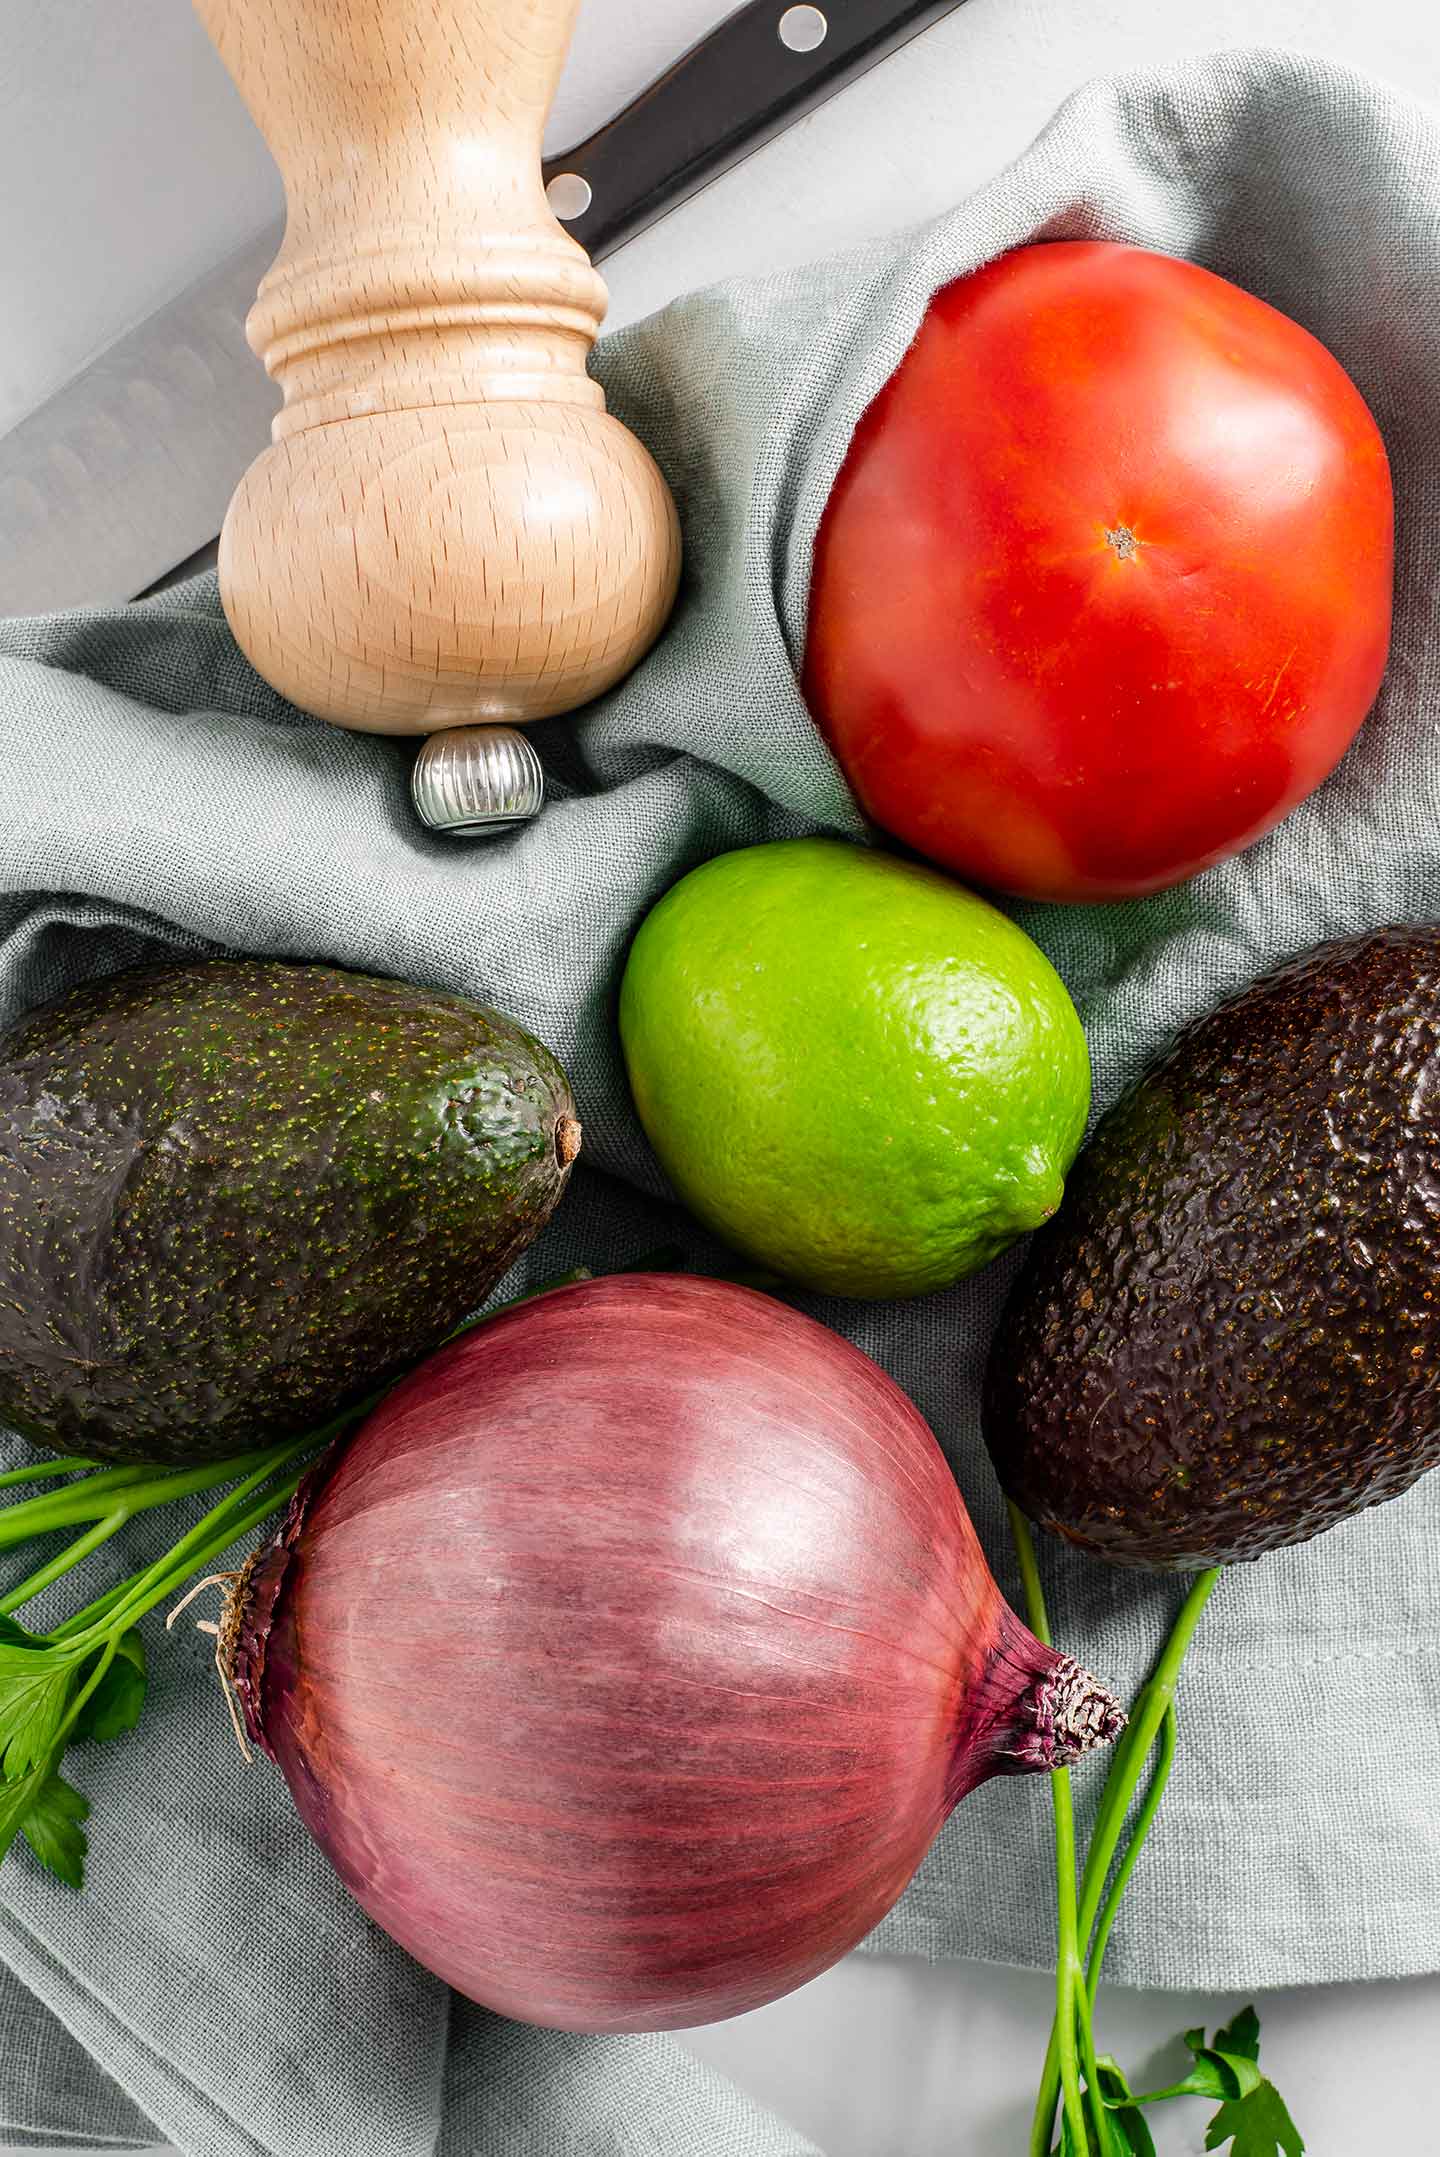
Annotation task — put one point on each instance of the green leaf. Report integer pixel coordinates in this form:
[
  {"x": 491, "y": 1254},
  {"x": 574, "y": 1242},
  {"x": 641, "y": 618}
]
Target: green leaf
[
  {"x": 16, "y": 1800},
  {"x": 36, "y": 1684},
  {"x": 48, "y": 1813},
  {"x": 1214, "y": 2074},
  {"x": 1130, "y": 2135},
  {"x": 1241, "y": 2036},
  {"x": 116, "y": 1703},
  {"x": 15, "y": 1635},
  {"x": 54, "y": 1829},
  {"x": 1256, "y": 2125},
  {"x": 1218, "y": 2073}
]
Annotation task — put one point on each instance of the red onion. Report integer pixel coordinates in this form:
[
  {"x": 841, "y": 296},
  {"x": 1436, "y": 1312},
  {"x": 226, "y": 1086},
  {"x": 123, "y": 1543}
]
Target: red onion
[{"x": 628, "y": 1659}]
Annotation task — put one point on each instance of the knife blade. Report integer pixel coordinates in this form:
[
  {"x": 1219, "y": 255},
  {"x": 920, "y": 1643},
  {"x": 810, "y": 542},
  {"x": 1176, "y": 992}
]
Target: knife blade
[{"x": 127, "y": 470}]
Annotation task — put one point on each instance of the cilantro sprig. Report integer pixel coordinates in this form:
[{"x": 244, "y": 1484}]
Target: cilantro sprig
[
  {"x": 1099, "y": 2113},
  {"x": 84, "y": 1682},
  {"x": 1253, "y": 2120}
]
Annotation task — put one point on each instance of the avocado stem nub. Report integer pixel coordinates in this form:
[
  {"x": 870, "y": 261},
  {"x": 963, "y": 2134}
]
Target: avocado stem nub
[{"x": 567, "y": 1140}]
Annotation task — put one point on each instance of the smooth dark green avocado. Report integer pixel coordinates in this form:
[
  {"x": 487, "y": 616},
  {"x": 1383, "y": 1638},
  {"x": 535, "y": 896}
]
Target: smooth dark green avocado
[
  {"x": 1228, "y": 1338},
  {"x": 236, "y": 1195}
]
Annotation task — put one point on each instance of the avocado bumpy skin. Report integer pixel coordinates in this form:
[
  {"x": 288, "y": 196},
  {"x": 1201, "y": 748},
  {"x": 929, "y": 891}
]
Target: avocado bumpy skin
[
  {"x": 1228, "y": 1338},
  {"x": 237, "y": 1194}
]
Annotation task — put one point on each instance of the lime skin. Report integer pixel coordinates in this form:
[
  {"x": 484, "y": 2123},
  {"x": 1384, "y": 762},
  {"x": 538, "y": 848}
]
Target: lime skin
[{"x": 855, "y": 1071}]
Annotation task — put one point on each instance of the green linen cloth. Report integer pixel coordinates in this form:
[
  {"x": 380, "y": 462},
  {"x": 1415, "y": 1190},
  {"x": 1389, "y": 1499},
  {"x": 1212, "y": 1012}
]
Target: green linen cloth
[{"x": 159, "y": 796}]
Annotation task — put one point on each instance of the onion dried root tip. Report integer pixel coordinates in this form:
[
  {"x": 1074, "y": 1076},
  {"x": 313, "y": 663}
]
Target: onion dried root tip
[
  {"x": 1061, "y": 1714},
  {"x": 227, "y": 1634},
  {"x": 1073, "y": 1715}
]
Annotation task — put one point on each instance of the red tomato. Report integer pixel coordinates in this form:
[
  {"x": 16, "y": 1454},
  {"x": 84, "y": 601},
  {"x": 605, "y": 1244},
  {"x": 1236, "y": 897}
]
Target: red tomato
[{"x": 1103, "y": 588}]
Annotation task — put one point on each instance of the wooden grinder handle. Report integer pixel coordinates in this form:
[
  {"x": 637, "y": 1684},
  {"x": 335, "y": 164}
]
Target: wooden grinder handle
[{"x": 448, "y": 526}]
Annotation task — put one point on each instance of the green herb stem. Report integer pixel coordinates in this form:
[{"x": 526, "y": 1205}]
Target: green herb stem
[
  {"x": 1069, "y": 1976},
  {"x": 230, "y": 1532},
  {"x": 42, "y": 1472},
  {"x": 1152, "y": 1720},
  {"x": 1099, "y": 1938},
  {"x": 128, "y": 1491},
  {"x": 1156, "y": 1698},
  {"x": 1077, "y": 2048},
  {"x": 1037, "y": 1616},
  {"x": 1160, "y": 2097},
  {"x": 1043, "y": 2123},
  {"x": 103, "y": 1625},
  {"x": 91, "y": 1614},
  {"x": 74, "y": 1554},
  {"x": 89, "y": 1499},
  {"x": 221, "y": 1527},
  {"x": 78, "y": 1704}
]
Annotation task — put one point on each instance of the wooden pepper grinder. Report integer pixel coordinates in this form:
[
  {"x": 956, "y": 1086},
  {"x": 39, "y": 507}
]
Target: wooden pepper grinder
[{"x": 448, "y": 527}]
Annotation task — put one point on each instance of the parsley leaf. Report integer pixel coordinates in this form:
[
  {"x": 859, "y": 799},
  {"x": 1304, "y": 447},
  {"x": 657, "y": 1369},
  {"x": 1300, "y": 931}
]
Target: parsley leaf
[
  {"x": 1218, "y": 2073},
  {"x": 1253, "y": 2119},
  {"x": 54, "y": 1829},
  {"x": 36, "y": 1686},
  {"x": 48, "y": 1813},
  {"x": 1241, "y": 2036},
  {"x": 1128, "y": 2131},
  {"x": 115, "y": 1705},
  {"x": 16, "y": 1799},
  {"x": 1256, "y": 2125}
]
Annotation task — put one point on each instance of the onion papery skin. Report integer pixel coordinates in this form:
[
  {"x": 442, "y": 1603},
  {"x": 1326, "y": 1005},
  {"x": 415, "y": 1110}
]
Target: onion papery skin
[{"x": 628, "y": 1659}]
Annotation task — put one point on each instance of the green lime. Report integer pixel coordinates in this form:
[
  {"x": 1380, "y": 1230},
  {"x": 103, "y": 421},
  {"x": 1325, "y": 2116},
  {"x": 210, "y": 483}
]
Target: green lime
[{"x": 851, "y": 1068}]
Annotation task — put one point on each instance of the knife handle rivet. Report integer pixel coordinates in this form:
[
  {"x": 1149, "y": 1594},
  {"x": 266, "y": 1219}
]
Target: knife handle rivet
[
  {"x": 802, "y": 29},
  {"x": 569, "y": 194}
]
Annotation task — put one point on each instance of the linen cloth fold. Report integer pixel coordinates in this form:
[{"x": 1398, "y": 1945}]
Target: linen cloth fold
[{"x": 214, "y": 1981}]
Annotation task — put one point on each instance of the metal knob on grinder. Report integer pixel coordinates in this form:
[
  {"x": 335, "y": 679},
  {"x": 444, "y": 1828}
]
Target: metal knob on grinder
[{"x": 473, "y": 782}]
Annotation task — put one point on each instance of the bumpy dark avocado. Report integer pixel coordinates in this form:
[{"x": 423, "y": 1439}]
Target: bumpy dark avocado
[
  {"x": 1229, "y": 1336},
  {"x": 235, "y": 1195}
]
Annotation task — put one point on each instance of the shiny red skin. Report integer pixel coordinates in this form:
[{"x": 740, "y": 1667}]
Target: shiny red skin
[
  {"x": 1031, "y": 703},
  {"x": 632, "y": 1654}
]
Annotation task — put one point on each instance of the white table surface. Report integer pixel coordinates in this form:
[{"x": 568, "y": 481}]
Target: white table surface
[{"x": 128, "y": 167}]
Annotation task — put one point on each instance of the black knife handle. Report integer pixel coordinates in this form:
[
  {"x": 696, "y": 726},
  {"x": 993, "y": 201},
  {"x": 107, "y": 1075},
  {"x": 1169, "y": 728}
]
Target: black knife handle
[{"x": 721, "y": 100}]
